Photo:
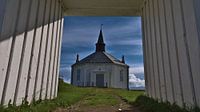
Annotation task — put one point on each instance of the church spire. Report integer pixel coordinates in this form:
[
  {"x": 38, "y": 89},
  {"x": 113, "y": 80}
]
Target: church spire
[
  {"x": 77, "y": 58},
  {"x": 100, "y": 45}
]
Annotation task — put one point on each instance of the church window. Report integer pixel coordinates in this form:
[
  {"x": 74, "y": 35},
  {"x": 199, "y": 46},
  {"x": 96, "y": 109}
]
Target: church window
[
  {"x": 78, "y": 75},
  {"x": 121, "y": 75}
]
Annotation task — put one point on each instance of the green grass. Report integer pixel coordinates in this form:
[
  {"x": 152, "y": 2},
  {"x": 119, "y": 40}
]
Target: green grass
[
  {"x": 147, "y": 104},
  {"x": 100, "y": 99},
  {"x": 69, "y": 95},
  {"x": 129, "y": 96}
]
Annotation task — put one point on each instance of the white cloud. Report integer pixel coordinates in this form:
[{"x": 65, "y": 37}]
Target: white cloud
[
  {"x": 136, "y": 82},
  {"x": 67, "y": 81},
  {"x": 136, "y": 70},
  {"x": 65, "y": 68}
]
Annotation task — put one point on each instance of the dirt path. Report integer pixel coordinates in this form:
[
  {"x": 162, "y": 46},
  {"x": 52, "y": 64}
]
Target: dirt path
[{"x": 95, "y": 103}]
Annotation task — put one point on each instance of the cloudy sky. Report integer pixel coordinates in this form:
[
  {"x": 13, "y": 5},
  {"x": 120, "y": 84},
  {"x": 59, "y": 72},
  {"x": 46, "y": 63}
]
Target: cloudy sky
[{"x": 122, "y": 36}]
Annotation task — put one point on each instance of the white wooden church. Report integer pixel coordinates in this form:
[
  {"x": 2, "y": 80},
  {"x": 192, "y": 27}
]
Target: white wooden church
[{"x": 100, "y": 69}]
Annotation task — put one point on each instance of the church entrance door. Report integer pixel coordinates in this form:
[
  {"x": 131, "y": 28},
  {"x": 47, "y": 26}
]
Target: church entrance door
[{"x": 100, "y": 80}]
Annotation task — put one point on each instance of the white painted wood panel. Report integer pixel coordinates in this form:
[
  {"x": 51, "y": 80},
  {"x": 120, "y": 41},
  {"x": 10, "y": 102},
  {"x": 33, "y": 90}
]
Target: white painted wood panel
[
  {"x": 152, "y": 84},
  {"x": 166, "y": 54},
  {"x": 4, "y": 57},
  {"x": 38, "y": 48},
  {"x": 154, "y": 51},
  {"x": 51, "y": 48},
  {"x": 59, "y": 52},
  {"x": 161, "y": 74},
  {"x": 10, "y": 17},
  {"x": 55, "y": 50},
  {"x": 16, "y": 53},
  {"x": 193, "y": 43},
  {"x": 25, "y": 61}
]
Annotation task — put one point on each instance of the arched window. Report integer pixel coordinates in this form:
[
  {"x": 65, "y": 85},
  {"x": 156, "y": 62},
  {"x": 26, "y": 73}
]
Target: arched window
[{"x": 121, "y": 75}]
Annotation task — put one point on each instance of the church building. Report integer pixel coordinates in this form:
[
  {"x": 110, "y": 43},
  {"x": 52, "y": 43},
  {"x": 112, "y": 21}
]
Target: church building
[{"x": 100, "y": 69}]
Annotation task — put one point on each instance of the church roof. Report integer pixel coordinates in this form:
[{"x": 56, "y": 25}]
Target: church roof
[{"x": 101, "y": 57}]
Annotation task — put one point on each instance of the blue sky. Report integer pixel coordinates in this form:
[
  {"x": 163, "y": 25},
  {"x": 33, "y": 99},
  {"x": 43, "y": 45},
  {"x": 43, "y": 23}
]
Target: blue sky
[{"x": 122, "y": 36}]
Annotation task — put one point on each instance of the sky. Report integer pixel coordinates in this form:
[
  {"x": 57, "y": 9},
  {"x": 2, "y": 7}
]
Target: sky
[{"x": 122, "y": 36}]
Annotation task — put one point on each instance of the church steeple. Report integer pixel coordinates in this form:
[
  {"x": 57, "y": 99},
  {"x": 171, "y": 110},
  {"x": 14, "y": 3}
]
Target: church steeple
[{"x": 100, "y": 45}]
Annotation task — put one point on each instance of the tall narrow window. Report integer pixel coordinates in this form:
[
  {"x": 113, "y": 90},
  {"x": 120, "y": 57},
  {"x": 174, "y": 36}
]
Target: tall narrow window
[
  {"x": 121, "y": 75},
  {"x": 78, "y": 75}
]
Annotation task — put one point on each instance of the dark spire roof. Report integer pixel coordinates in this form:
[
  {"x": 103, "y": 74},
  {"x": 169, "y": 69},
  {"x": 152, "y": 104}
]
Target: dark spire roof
[
  {"x": 123, "y": 59},
  {"x": 77, "y": 58},
  {"x": 100, "y": 45}
]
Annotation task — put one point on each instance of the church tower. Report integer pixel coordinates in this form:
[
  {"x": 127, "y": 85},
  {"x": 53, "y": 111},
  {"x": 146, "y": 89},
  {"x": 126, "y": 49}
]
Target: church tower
[{"x": 100, "y": 45}]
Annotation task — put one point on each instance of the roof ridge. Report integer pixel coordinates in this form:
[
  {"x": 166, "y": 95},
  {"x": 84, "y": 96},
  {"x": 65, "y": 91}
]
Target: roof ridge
[
  {"x": 99, "y": 57},
  {"x": 108, "y": 57}
]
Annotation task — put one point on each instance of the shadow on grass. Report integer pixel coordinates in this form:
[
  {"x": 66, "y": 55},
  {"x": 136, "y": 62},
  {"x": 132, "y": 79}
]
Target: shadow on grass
[
  {"x": 67, "y": 95},
  {"x": 147, "y": 104}
]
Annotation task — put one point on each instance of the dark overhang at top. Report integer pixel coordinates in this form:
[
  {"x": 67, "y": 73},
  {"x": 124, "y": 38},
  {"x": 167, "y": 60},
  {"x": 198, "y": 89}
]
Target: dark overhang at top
[{"x": 102, "y": 7}]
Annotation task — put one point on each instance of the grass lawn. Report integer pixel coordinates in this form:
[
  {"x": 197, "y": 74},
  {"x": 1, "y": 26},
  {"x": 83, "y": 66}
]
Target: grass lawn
[
  {"x": 69, "y": 95},
  {"x": 95, "y": 97},
  {"x": 147, "y": 104}
]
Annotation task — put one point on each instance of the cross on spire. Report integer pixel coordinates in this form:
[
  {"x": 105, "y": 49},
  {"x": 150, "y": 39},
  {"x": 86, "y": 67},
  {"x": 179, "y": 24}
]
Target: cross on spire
[{"x": 101, "y": 26}]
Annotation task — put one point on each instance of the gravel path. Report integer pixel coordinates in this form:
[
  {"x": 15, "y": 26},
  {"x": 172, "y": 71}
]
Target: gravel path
[{"x": 80, "y": 106}]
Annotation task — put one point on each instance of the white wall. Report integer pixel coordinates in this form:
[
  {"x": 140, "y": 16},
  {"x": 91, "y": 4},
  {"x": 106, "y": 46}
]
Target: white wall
[
  {"x": 30, "y": 35},
  {"x": 172, "y": 56},
  {"x": 111, "y": 74}
]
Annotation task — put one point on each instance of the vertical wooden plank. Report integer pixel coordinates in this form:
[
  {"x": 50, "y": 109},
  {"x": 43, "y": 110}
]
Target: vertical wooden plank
[
  {"x": 41, "y": 63},
  {"x": 192, "y": 46},
  {"x": 5, "y": 47},
  {"x": 44, "y": 52},
  {"x": 8, "y": 26},
  {"x": 3, "y": 5},
  {"x": 154, "y": 51},
  {"x": 37, "y": 60},
  {"x": 15, "y": 56},
  {"x": 59, "y": 54},
  {"x": 47, "y": 52},
  {"x": 157, "y": 59},
  {"x": 197, "y": 8},
  {"x": 159, "y": 52},
  {"x": 58, "y": 50},
  {"x": 51, "y": 52},
  {"x": 9, "y": 21},
  {"x": 52, "y": 87},
  {"x": 182, "y": 55},
  {"x": 166, "y": 53},
  {"x": 172, "y": 50},
  {"x": 144, "y": 51},
  {"x": 150, "y": 51},
  {"x": 56, "y": 58},
  {"x": 146, "y": 70},
  {"x": 163, "y": 50},
  {"x": 26, "y": 53}
]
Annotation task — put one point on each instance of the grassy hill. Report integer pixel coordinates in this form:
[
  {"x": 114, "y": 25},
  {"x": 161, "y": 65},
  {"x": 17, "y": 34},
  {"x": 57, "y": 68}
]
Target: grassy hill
[
  {"x": 89, "y": 99},
  {"x": 69, "y": 95}
]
